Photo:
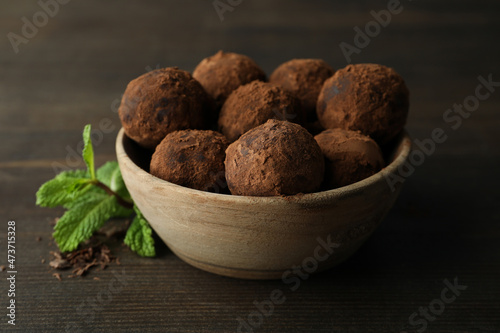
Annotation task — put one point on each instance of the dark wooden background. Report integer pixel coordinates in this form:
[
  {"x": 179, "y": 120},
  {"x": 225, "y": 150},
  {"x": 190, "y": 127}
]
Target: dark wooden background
[{"x": 446, "y": 223}]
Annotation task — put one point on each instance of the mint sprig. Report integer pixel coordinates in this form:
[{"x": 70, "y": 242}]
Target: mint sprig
[{"x": 91, "y": 198}]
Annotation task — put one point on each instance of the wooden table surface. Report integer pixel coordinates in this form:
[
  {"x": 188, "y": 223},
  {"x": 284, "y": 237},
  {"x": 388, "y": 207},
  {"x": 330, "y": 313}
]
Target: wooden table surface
[{"x": 444, "y": 226}]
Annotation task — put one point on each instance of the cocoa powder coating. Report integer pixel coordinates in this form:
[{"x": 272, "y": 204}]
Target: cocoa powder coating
[
  {"x": 223, "y": 72},
  {"x": 304, "y": 78},
  {"x": 191, "y": 158},
  {"x": 253, "y": 104},
  {"x": 349, "y": 157},
  {"x": 370, "y": 98},
  {"x": 160, "y": 102},
  {"x": 276, "y": 158}
]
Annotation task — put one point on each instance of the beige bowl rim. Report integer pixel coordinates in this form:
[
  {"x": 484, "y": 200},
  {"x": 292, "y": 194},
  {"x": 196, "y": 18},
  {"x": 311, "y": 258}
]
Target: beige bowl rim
[{"x": 404, "y": 148}]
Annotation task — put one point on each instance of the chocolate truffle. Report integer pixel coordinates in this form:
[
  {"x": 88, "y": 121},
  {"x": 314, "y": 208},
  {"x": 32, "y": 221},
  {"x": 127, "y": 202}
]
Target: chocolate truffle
[
  {"x": 191, "y": 158},
  {"x": 223, "y": 72},
  {"x": 304, "y": 78},
  {"x": 276, "y": 158},
  {"x": 370, "y": 98},
  {"x": 349, "y": 157},
  {"x": 160, "y": 102},
  {"x": 253, "y": 104}
]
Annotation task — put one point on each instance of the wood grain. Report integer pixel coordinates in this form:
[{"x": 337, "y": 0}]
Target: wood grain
[{"x": 444, "y": 225}]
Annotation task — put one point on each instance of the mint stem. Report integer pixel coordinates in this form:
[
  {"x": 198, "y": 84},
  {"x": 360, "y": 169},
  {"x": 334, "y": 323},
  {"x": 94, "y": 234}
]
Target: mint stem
[{"x": 124, "y": 202}]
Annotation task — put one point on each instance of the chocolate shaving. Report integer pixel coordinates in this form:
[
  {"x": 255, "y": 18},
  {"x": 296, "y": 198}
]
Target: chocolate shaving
[
  {"x": 59, "y": 264},
  {"x": 57, "y": 276},
  {"x": 82, "y": 260}
]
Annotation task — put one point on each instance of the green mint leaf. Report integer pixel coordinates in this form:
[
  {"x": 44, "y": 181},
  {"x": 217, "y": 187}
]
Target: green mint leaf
[
  {"x": 64, "y": 188},
  {"x": 91, "y": 193},
  {"x": 86, "y": 215},
  {"x": 111, "y": 176},
  {"x": 88, "y": 151},
  {"x": 79, "y": 186},
  {"x": 139, "y": 236},
  {"x": 89, "y": 196}
]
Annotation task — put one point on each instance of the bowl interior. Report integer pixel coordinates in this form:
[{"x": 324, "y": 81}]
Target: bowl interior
[{"x": 395, "y": 153}]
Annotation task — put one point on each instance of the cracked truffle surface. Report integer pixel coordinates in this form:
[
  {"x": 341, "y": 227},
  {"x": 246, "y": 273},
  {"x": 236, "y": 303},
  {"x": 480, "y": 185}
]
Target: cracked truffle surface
[
  {"x": 276, "y": 158},
  {"x": 370, "y": 98},
  {"x": 191, "y": 158},
  {"x": 304, "y": 78},
  {"x": 349, "y": 157},
  {"x": 223, "y": 72},
  {"x": 160, "y": 102},
  {"x": 253, "y": 104}
]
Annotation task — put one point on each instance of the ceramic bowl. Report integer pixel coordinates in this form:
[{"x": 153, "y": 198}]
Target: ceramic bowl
[{"x": 261, "y": 237}]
